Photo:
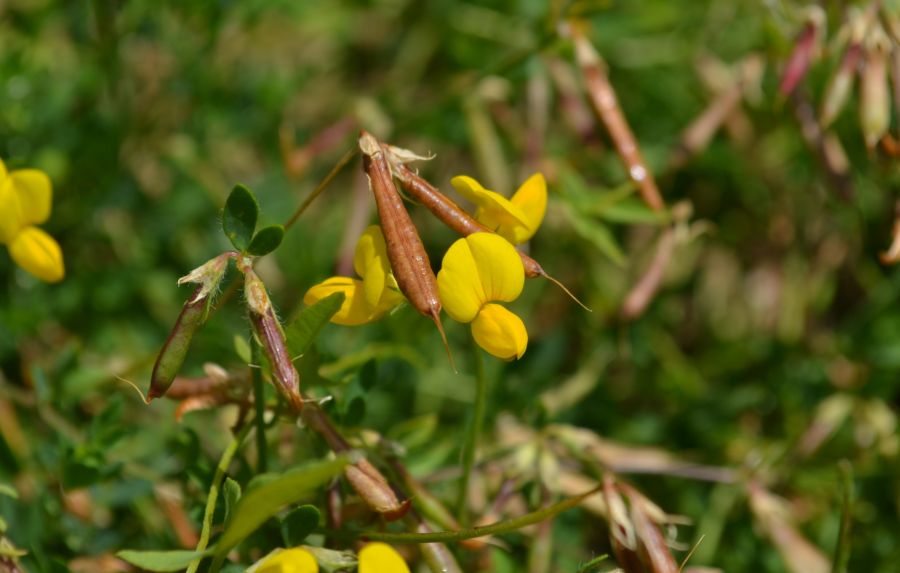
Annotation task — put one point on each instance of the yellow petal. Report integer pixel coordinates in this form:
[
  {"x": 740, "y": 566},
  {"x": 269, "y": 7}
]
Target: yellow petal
[
  {"x": 35, "y": 194},
  {"x": 295, "y": 560},
  {"x": 478, "y": 269},
  {"x": 371, "y": 263},
  {"x": 380, "y": 557},
  {"x": 495, "y": 211},
  {"x": 38, "y": 253},
  {"x": 356, "y": 309},
  {"x": 500, "y": 332},
  {"x": 10, "y": 212},
  {"x": 2, "y": 171},
  {"x": 531, "y": 198}
]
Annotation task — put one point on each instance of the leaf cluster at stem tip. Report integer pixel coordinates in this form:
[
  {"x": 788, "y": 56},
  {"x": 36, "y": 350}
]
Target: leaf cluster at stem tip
[{"x": 239, "y": 224}]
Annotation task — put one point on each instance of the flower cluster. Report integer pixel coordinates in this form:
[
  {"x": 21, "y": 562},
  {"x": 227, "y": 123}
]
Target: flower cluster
[
  {"x": 478, "y": 270},
  {"x": 25, "y": 200},
  {"x": 374, "y": 557}
]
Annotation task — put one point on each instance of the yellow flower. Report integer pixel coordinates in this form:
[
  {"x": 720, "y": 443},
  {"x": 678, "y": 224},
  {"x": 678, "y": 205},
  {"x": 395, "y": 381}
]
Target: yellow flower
[
  {"x": 25, "y": 198},
  {"x": 478, "y": 270},
  {"x": 296, "y": 560},
  {"x": 380, "y": 557},
  {"x": 367, "y": 299},
  {"x": 517, "y": 219}
]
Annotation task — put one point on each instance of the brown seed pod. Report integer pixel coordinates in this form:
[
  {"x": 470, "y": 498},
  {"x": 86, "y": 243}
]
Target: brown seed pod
[
  {"x": 375, "y": 490},
  {"x": 452, "y": 215},
  {"x": 406, "y": 253},
  {"x": 271, "y": 337},
  {"x": 606, "y": 104}
]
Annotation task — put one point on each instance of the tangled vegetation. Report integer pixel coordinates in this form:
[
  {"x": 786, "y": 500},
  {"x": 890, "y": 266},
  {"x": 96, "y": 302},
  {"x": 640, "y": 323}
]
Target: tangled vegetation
[{"x": 563, "y": 286}]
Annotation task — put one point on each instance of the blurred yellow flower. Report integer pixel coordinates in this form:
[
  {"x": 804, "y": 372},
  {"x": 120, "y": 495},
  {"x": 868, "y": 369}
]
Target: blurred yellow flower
[
  {"x": 478, "y": 270},
  {"x": 296, "y": 560},
  {"x": 518, "y": 218},
  {"x": 380, "y": 557},
  {"x": 367, "y": 299},
  {"x": 25, "y": 199}
]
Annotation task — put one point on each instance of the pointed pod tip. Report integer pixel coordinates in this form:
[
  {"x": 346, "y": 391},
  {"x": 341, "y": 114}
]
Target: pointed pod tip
[
  {"x": 436, "y": 317},
  {"x": 567, "y": 291}
]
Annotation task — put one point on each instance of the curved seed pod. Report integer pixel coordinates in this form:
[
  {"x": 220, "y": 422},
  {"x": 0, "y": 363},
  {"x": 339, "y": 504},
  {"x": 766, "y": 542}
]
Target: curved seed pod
[
  {"x": 450, "y": 213},
  {"x": 456, "y": 218},
  {"x": 174, "y": 350},
  {"x": 407, "y": 255},
  {"x": 271, "y": 337}
]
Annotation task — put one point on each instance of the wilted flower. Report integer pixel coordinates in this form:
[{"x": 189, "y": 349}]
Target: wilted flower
[
  {"x": 367, "y": 299},
  {"x": 478, "y": 270},
  {"x": 518, "y": 218},
  {"x": 25, "y": 200}
]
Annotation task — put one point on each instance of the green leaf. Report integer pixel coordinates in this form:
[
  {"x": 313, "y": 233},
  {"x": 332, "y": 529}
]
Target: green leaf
[
  {"x": 301, "y": 333},
  {"x": 231, "y": 491},
  {"x": 632, "y": 211},
  {"x": 596, "y": 233},
  {"x": 239, "y": 217},
  {"x": 264, "y": 500},
  {"x": 161, "y": 560},
  {"x": 266, "y": 240},
  {"x": 368, "y": 375},
  {"x": 242, "y": 349},
  {"x": 9, "y": 491},
  {"x": 356, "y": 411},
  {"x": 298, "y": 524}
]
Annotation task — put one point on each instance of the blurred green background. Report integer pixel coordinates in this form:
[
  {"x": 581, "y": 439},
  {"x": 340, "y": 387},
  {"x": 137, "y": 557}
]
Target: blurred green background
[{"x": 775, "y": 318}]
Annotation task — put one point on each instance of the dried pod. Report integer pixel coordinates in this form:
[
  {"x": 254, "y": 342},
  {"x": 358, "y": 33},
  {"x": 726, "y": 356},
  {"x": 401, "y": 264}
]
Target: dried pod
[
  {"x": 652, "y": 548},
  {"x": 449, "y": 212},
  {"x": 407, "y": 255},
  {"x": 375, "y": 490},
  {"x": 452, "y": 215},
  {"x": 804, "y": 49},
  {"x": 271, "y": 337},
  {"x": 841, "y": 83},
  {"x": 874, "y": 105},
  {"x": 174, "y": 350},
  {"x": 605, "y": 102},
  {"x": 622, "y": 536}
]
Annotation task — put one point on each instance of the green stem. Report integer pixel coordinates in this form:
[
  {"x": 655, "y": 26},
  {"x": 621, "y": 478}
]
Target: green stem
[
  {"x": 842, "y": 551},
  {"x": 344, "y": 160},
  {"x": 259, "y": 404},
  {"x": 473, "y": 532},
  {"x": 475, "y": 428},
  {"x": 213, "y": 496}
]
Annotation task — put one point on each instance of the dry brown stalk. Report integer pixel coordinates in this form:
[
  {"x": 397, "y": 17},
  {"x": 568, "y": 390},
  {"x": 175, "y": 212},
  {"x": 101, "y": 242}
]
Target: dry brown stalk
[
  {"x": 643, "y": 291},
  {"x": 603, "y": 97}
]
